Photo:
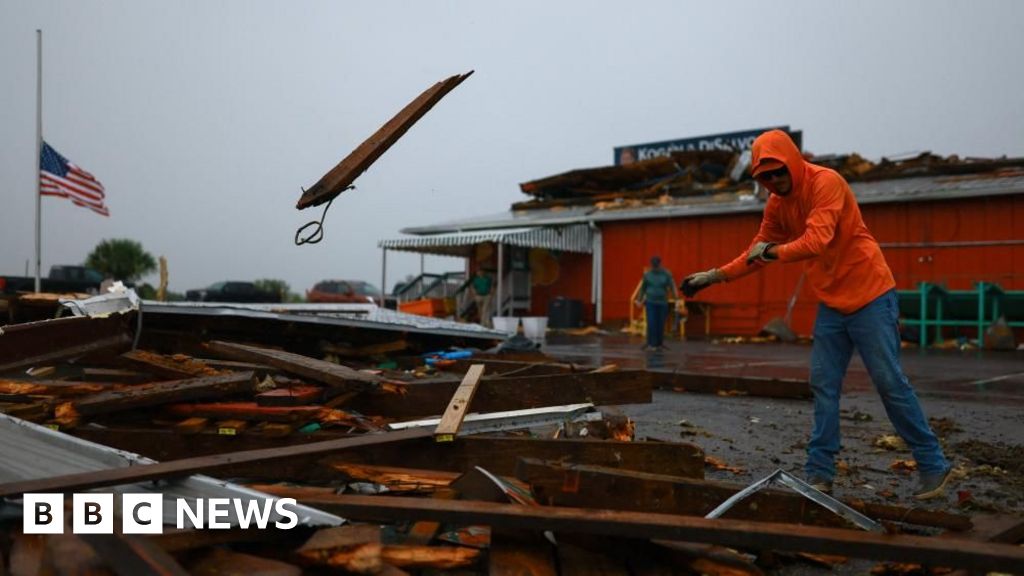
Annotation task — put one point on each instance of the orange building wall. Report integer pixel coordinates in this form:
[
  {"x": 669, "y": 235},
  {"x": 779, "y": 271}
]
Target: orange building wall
[
  {"x": 742, "y": 307},
  {"x": 573, "y": 283}
]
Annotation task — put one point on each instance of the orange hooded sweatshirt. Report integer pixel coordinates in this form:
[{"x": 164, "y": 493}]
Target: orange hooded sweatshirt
[{"x": 818, "y": 222}]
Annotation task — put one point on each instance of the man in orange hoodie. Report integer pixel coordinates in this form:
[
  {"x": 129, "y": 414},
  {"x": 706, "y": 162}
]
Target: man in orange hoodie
[{"x": 812, "y": 217}]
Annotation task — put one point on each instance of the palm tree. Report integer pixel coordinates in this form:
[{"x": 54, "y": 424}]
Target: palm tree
[{"x": 122, "y": 259}]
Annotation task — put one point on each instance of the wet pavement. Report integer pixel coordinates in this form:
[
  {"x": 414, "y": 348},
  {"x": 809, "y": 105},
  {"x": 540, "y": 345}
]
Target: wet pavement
[
  {"x": 973, "y": 375},
  {"x": 975, "y": 401}
]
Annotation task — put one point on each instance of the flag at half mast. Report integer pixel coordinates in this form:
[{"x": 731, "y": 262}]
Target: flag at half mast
[{"x": 59, "y": 177}]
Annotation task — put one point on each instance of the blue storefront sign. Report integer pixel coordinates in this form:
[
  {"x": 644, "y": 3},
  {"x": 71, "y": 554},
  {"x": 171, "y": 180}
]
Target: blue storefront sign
[{"x": 732, "y": 141}]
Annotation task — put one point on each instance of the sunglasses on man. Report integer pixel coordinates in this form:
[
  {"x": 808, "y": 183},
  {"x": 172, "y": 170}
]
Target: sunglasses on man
[{"x": 769, "y": 175}]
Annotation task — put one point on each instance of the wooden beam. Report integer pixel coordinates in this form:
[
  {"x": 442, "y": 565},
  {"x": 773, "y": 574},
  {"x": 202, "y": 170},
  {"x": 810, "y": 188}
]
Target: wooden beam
[
  {"x": 458, "y": 407},
  {"x": 707, "y": 383},
  {"x": 496, "y": 454},
  {"x": 203, "y": 464},
  {"x": 499, "y": 454},
  {"x": 334, "y": 375},
  {"x": 145, "y": 395},
  {"x": 565, "y": 484},
  {"x": 338, "y": 178},
  {"x": 424, "y": 399},
  {"x": 648, "y": 525}
]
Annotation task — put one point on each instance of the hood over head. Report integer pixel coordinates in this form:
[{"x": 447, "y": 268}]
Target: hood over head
[{"x": 774, "y": 149}]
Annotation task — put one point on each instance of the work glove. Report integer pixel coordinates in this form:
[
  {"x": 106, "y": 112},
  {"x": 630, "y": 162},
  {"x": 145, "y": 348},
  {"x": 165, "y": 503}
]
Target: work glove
[
  {"x": 759, "y": 252},
  {"x": 696, "y": 282}
]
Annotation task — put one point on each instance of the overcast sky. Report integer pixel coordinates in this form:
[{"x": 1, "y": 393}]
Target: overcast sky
[{"x": 203, "y": 119}]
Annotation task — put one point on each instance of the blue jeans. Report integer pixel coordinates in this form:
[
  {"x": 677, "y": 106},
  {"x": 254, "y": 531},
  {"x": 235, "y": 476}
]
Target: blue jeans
[
  {"x": 657, "y": 312},
  {"x": 874, "y": 332}
]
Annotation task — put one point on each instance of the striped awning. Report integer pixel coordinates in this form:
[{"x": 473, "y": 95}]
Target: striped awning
[{"x": 575, "y": 238}]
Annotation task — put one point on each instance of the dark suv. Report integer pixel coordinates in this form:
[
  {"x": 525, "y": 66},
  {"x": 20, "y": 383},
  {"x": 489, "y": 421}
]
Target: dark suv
[
  {"x": 344, "y": 291},
  {"x": 232, "y": 292}
]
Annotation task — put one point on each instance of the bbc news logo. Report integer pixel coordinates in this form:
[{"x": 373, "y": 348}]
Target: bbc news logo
[{"x": 94, "y": 513}]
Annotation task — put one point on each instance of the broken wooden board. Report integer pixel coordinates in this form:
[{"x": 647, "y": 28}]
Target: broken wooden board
[
  {"x": 202, "y": 464},
  {"x": 46, "y": 341},
  {"x": 176, "y": 366},
  {"x": 648, "y": 525},
  {"x": 341, "y": 176},
  {"x": 425, "y": 399},
  {"x": 706, "y": 383},
  {"x": 328, "y": 373},
  {"x": 145, "y": 395},
  {"x": 458, "y": 407},
  {"x": 565, "y": 484}
]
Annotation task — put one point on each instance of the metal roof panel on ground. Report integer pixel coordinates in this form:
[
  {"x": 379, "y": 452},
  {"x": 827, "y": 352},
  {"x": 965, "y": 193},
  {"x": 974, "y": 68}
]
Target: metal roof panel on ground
[
  {"x": 29, "y": 451},
  {"x": 575, "y": 238},
  {"x": 896, "y": 190},
  {"x": 366, "y": 316}
]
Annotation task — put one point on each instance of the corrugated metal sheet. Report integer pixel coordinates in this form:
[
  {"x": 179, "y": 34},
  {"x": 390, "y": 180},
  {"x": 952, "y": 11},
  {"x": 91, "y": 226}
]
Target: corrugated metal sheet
[
  {"x": 29, "y": 451},
  {"x": 900, "y": 190},
  {"x": 366, "y": 316},
  {"x": 578, "y": 238}
]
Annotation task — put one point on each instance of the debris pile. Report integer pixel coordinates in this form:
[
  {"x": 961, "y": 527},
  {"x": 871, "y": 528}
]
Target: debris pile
[{"x": 486, "y": 464}]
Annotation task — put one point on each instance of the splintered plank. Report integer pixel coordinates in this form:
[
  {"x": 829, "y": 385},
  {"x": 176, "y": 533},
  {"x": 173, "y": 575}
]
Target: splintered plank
[
  {"x": 203, "y": 464},
  {"x": 424, "y": 399},
  {"x": 328, "y": 373},
  {"x": 499, "y": 454},
  {"x": 161, "y": 393},
  {"x": 354, "y": 547},
  {"x": 176, "y": 366},
  {"x": 49, "y": 388},
  {"x": 341, "y": 176},
  {"x": 649, "y": 525},
  {"x": 395, "y": 478},
  {"x": 457, "y": 409},
  {"x": 47, "y": 341},
  {"x": 705, "y": 383},
  {"x": 564, "y": 484}
]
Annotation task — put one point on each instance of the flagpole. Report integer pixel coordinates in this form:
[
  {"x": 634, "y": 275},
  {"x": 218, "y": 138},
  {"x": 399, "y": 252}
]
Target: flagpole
[{"x": 39, "y": 150}]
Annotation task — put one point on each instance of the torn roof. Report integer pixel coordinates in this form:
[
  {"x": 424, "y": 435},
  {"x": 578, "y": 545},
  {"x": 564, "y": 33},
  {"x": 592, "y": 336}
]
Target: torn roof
[{"x": 1007, "y": 179}]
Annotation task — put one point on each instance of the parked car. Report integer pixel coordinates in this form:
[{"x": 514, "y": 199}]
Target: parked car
[
  {"x": 232, "y": 291},
  {"x": 344, "y": 291}
]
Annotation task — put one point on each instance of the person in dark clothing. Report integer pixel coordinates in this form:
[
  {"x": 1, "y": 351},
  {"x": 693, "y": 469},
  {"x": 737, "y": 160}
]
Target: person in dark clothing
[{"x": 654, "y": 295}]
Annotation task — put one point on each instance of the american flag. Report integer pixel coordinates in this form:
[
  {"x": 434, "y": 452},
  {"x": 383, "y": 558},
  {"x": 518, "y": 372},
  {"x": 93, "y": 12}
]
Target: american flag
[{"x": 60, "y": 177}]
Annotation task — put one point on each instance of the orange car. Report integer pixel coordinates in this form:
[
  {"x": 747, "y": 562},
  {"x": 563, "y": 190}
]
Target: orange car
[{"x": 344, "y": 291}]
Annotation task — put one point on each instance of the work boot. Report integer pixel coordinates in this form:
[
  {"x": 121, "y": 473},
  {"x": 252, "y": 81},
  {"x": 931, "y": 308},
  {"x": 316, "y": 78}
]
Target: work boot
[
  {"x": 820, "y": 484},
  {"x": 933, "y": 485}
]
